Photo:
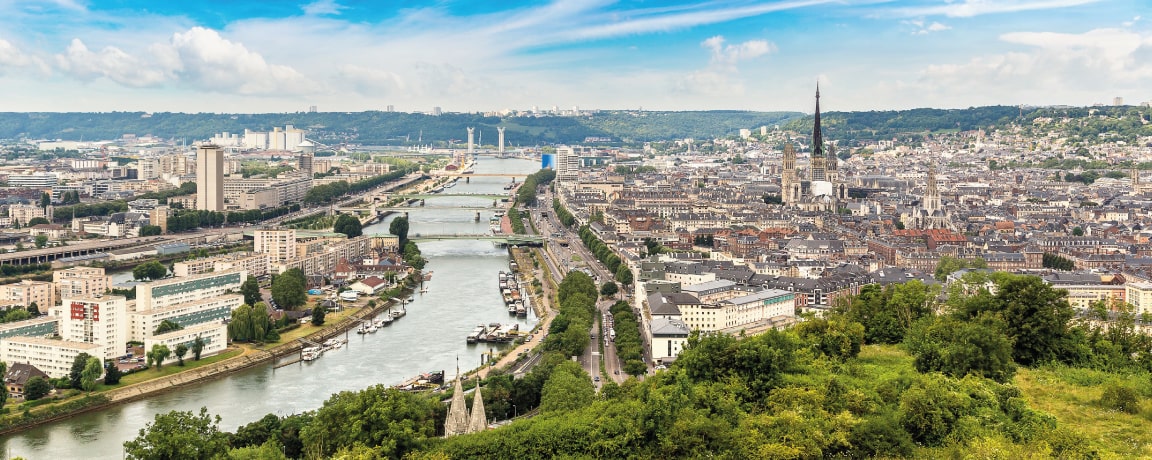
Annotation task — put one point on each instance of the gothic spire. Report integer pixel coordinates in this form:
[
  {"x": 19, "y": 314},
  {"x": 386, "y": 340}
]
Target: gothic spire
[
  {"x": 817, "y": 136},
  {"x": 479, "y": 420},
  {"x": 457, "y": 420}
]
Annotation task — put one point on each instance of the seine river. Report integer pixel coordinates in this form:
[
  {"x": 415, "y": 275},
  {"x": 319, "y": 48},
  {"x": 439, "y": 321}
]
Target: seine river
[{"x": 461, "y": 294}]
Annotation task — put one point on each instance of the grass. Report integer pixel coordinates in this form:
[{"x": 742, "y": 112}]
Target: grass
[
  {"x": 307, "y": 329},
  {"x": 1071, "y": 395},
  {"x": 170, "y": 367}
]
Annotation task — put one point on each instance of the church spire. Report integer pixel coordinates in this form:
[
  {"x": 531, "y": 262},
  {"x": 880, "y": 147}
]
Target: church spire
[
  {"x": 457, "y": 420},
  {"x": 817, "y": 136}
]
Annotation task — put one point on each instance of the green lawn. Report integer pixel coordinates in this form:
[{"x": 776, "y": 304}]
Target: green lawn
[{"x": 170, "y": 368}]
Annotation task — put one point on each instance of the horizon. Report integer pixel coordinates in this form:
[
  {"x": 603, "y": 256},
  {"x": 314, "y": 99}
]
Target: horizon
[{"x": 101, "y": 56}]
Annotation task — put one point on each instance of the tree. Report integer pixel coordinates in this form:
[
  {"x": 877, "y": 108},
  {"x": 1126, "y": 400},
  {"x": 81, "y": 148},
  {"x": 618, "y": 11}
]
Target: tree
[
  {"x": 179, "y": 435},
  {"x": 34, "y": 309},
  {"x": 609, "y": 289},
  {"x": 251, "y": 324},
  {"x": 90, "y": 374},
  {"x": 318, "y": 315},
  {"x": 168, "y": 326},
  {"x": 197, "y": 348},
  {"x": 159, "y": 353},
  {"x": 36, "y": 388},
  {"x": 348, "y": 225},
  {"x": 45, "y": 200},
  {"x": 399, "y": 227},
  {"x": 77, "y": 372},
  {"x": 181, "y": 350},
  {"x": 37, "y": 221},
  {"x": 251, "y": 291},
  {"x": 1077, "y": 231},
  {"x": 290, "y": 289},
  {"x": 112, "y": 374},
  {"x": 150, "y": 230},
  {"x": 624, "y": 275},
  {"x": 957, "y": 347},
  {"x": 3, "y": 388},
  {"x": 151, "y": 270}
]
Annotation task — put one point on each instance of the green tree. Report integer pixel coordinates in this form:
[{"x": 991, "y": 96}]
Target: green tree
[
  {"x": 290, "y": 289},
  {"x": 77, "y": 372},
  {"x": 168, "y": 326},
  {"x": 90, "y": 374},
  {"x": 34, "y": 309},
  {"x": 624, "y": 275},
  {"x": 151, "y": 270},
  {"x": 197, "y": 348},
  {"x": 41, "y": 240},
  {"x": 251, "y": 291},
  {"x": 1077, "y": 231},
  {"x": 36, "y": 388},
  {"x": 318, "y": 315},
  {"x": 150, "y": 230},
  {"x": 159, "y": 353},
  {"x": 3, "y": 388},
  {"x": 112, "y": 374},
  {"x": 399, "y": 227},
  {"x": 37, "y": 221},
  {"x": 958, "y": 347},
  {"x": 45, "y": 200},
  {"x": 179, "y": 435},
  {"x": 16, "y": 314},
  {"x": 609, "y": 289},
  {"x": 270, "y": 450},
  {"x": 566, "y": 390},
  {"x": 181, "y": 350},
  {"x": 404, "y": 421},
  {"x": 348, "y": 225}
]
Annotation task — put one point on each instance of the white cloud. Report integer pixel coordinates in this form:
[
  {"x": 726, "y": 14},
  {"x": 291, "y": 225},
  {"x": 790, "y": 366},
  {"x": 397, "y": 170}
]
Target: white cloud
[
  {"x": 729, "y": 55},
  {"x": 110, "y": 62},
  {"x": 922, "y": 29},
  {"x": 322, "y": 8},
  {"x": 1072, "y": 66},
  {"x": 721, "y": 77},
  {"x": 970, "y": 8}
]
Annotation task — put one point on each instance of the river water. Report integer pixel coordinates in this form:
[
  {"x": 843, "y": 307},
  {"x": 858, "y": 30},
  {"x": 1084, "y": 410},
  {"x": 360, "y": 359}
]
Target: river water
[{"x": 462, "y": 293}]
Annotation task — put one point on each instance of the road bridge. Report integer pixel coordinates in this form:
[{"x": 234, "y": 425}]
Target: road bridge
[
  {"x": 438, "y": 195},
  {"x": 508, "y": 240},
  {"x": 462, "y": 174}
]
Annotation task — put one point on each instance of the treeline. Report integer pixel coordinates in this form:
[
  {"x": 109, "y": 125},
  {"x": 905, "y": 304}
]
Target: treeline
[
  {"x": 327, "y": 192},
  {"x": 259, "y": 215},
  {"x": 187, "y": 188},
  {"x": 100, "y": 208},
  {"x": 516, "y": 218},
  {"x": 850, "y": 127},
  {"x": 568, "y": 333},
  {"x": 393, "y": 127},
  {"x": 602, "y": 252},
  {"x": 629, "y": 346},
  {"x": 526, "y": 194},
  {"x": 1058, "y": 262},
  {"x": 562, "y": 214}
]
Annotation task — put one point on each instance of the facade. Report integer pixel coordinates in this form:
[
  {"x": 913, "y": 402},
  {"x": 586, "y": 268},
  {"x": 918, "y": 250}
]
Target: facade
[
  {"x": 210, "y": 178},
  {"x": 255, "y": 264},
  {"x": 667, "y": 337},
  {"x": 214, "y": 336},
  {"x": 1139, "y": 294},
  {"x": 305, "y": 164},
  {"x": 749, "y": 310},
  {"x": 35, "y": 180},
  {"x": 27, "y": 292},
  {"x": 99, "y": 320},
  {"x": 825, "y": 190},
  {"x": 321, "y": 259},
  {"x": 23, "y": 213},
  {"x": 279, "y": 244},
  {"x": 567, "y": 166},
  {"x": 80, "y": 281},
  {"x": 174, "y": 291},
  {"x": 211, "y": 310},
  {"x": 288, "y": 190},
  {"x": 43, "y": 326},
  {"x": 53, "y": 357}
]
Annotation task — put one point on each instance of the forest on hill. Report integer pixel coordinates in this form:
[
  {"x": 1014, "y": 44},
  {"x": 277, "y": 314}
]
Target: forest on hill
[{"x": 392, "y": 128}]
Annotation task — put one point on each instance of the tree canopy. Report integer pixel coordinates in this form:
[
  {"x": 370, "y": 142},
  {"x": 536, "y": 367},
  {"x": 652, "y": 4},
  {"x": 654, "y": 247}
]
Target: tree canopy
[
  {"x": 348, "y": 225},
  {"x": 290, "y": 289}
]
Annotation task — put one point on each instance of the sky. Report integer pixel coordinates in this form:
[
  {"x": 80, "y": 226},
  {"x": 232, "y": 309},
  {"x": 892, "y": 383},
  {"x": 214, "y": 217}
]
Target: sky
[{"x": 349, "y": 55}]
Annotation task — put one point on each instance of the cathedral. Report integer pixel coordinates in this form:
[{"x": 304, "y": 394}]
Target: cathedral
[
  {"x": 824, "y": 190},
  {"x": 931, "y": 214}
]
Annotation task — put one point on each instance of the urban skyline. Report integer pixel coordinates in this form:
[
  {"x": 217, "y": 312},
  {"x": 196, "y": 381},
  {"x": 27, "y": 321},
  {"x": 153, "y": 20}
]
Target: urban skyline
[{"x": 470, "y": 56}]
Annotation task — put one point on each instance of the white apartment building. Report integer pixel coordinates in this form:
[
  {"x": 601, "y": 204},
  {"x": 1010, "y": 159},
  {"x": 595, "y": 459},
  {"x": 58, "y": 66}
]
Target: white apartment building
[
  {"x": 321, "y": 259},
  {"x": 27, "y": 292},
  {"x": 80, "y": 281},
  {"x": 742, "y": 311},
  {"x": 43, "y": 326},
  {"x": 255, "y": 264},
  {"x": 174, "y": 291},
  {"x": 567, "y": 166},
  {"x": 34, "y": 180},
  {"x": 214, "y": 336},
  {"x": 278, "y": 244},
  {"x": 25, "y": 212},
  {"x": 99, "y": 320},
  {"x": 210, "y": 310},
  {"x": 1139, "y": 294},
  {"x": 53, "y": 357},
  {"x": 667, "y": 337}
]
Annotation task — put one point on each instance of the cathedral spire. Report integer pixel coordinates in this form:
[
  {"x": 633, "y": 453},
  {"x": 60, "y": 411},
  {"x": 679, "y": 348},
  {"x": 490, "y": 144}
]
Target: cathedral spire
[{"x": 817, "y": 136}]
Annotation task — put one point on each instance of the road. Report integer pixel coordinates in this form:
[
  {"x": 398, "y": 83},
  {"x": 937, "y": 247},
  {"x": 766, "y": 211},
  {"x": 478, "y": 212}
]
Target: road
[{"x": 562, "y": 259}]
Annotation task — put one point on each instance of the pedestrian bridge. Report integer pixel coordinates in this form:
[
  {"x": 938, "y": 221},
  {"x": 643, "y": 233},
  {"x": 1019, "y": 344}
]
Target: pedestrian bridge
[{"x": 506, "y": 240}]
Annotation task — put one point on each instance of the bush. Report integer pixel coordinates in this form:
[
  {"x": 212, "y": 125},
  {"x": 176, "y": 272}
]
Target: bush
[{"x": 1120, "y": 397}]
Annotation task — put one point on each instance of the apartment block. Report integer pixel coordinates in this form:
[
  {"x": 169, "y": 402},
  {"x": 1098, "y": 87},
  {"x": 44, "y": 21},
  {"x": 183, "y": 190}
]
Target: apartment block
[
  {"x": 27, "y": 292},
  {"x": 80, "y": 281},
  {"x": 53, "y": 357},
  {"x": 98, "y": 319},
  {"x": 174, "y": 291}
]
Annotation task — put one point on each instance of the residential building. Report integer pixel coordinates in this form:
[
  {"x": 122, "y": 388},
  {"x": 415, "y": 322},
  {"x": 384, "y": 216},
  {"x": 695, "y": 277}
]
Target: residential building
[
  {"x": 174, "y": 291},
  {"x": 17, "y": 377},
  {"x": 1139, "y": 294},
  {"x": 80, "y": 281},
  {"x": 255, "y": 264},
  {"x": 42, "y": 326},
  {"x": 27, "y": 292},
  {"x": 209, "y": 310},
  {"x": 97, "y": 319},
  {"x": 23, "y": 213},
  {"x": 53, "y": 357},
  {"x": 214, "y": 336},
  {"x": 33, "y": 181},
  {"x": 667, "y": 337},
  {"x": 278, "y": 244}
]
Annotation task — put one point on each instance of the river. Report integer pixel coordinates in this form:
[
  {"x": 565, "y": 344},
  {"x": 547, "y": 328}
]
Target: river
[{"x": 462, "y": 293}]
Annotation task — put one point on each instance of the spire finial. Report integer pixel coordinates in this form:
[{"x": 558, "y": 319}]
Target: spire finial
[{"x": 817, "y": 89}]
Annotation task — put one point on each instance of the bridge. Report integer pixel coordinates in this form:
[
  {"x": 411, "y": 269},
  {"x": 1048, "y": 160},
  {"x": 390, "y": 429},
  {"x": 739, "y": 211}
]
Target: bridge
[
  {"x": 436, "y": 195},
  {"x": 463, "y": 174},
  {"x": 505, "y": 240},
  {"x": 46, "y": 255},
  {"x": 412, "y": 208}
]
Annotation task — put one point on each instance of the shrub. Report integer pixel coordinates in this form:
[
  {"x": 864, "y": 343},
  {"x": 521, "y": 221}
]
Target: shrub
[{"x": 1118, "y": 396}]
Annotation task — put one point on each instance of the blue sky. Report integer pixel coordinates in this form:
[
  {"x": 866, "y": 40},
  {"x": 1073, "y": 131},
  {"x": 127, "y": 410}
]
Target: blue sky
[{"x": 345, "y": 55}]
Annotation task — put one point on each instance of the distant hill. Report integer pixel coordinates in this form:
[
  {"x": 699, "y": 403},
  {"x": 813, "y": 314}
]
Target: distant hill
[
  {"x": 392, "y": 127},
  {"x": 865, "y": 126}
]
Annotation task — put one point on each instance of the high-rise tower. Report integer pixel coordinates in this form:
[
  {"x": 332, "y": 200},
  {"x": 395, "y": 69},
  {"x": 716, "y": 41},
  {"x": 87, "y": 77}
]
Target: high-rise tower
[
  {"x": 819, "y": 162},
  {"x": 500, "y": 130},
  {"x": 931, "y": 193},
  {"x": 209, "y": 178},
  {"x": 471, "y": 140}
]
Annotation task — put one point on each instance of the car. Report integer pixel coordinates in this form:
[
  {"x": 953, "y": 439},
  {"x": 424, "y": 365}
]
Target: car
[
  {"x": 661, "y": 367},
  {"x": 596, "y": 378}
]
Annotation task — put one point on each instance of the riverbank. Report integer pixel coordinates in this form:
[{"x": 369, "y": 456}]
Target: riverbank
[
  {"x": 542, "y": 304},
  {"x": 250, "y": 357}
]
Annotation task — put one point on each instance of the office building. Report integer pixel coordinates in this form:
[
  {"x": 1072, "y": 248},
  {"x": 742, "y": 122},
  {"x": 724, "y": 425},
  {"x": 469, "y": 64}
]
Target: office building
[
  {"x": 210, "y": 178},
  {"x": 80, "y": 281},
  {"x": 305, "y": 163},
  {"x": 34, "y": 180}
]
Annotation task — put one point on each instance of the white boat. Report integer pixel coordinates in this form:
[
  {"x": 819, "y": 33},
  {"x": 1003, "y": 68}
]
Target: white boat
[
  {"x": 362, "y": 329},
  {"x": 309, "y": 356},
  {"x": 387, "y": 321},
  {"x": 372, "y": 328}
]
